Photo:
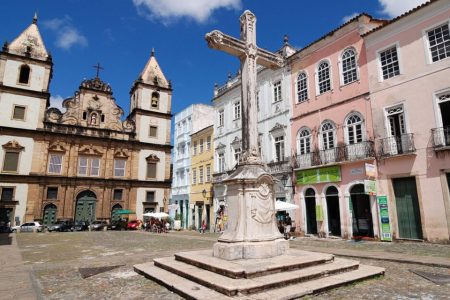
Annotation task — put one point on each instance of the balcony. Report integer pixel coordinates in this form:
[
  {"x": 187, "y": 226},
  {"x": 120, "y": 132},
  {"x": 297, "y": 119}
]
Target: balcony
[
  {"x": 279, "y": 167},
  {"x": 397, "y": 145},
  {"x": 441, "y": 138},
  {"x": 340, "y": 154}
]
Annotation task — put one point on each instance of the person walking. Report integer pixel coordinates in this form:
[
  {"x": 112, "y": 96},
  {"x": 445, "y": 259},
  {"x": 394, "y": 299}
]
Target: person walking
[{"x": 287, "y": 227}]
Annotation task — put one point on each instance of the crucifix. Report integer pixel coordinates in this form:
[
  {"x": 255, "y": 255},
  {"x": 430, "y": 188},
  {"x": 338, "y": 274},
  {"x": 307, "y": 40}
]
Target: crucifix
[
  {"x": 250, "y": 55},
  {"x": 98, "y": 67}
]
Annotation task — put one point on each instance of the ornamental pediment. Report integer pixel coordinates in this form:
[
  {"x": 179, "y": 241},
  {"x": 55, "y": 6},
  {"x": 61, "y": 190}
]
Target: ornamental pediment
[
  {"x": 237, "y": 142},
  {"x": 57, "y": 147},
  {"x": 90, "y": 150},
  {"x": 278, "y": 128},
  {"x": 13, "y": 145},
  {"x": 121, "y": 153},
  {"x": 152, "y": 158},
  {"x": 220, "y": 146}
]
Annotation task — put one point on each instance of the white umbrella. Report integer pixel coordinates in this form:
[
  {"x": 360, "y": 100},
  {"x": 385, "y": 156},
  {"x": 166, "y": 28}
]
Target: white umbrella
[
  {"x": 282, "y": 205},
  {"x": 157, "y": 215}
]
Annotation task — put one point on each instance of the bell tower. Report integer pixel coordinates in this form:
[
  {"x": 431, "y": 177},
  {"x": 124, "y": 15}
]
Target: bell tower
[{"x": 25, "y": 75}]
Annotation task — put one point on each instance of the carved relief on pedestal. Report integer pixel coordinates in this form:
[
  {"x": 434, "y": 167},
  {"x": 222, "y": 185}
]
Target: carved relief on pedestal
[{"x": 262, "y": 210}]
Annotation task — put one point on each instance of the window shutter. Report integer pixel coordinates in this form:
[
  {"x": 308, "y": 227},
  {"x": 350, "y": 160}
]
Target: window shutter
[
  {"x": 19, "y": 113},
  {"x": 151, "y": 170},
  {"x": 11, "y": 162}
]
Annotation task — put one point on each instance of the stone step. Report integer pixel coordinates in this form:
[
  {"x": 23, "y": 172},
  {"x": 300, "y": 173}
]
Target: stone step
[
  {"x": 246, "y": 286},
  {"x": 192, "y": 290},
  {"x": 250, "y": 268}
]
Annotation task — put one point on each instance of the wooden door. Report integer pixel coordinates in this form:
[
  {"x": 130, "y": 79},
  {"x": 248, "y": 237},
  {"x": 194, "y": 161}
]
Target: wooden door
[{"x": 407, "y": 203}]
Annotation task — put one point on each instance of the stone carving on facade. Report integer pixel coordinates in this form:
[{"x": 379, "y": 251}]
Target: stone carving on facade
[
  {"x": 262, "y": 210},
  {"x": 121, "y": 153},
  {"x": 13, "y": 145},
  {"x": 129, "y": 125},
  {"x": 53, "y": 115},
  {"x": 91, "y": 150},
  {"x": 57, "y": 146},
  {"x": 152, "y": 158},
  {"x": 96, "y": 84},
  {"x": 220, "y": 146}
]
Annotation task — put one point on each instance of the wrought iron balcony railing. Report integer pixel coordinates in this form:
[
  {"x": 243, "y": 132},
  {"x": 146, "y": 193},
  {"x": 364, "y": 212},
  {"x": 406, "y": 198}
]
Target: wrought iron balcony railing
[
  {"x": 279, "y": 167},
  {"x": 441, "y": 137},
  {"x": 344, "y": 153},
  {"x": 397, "y": 145}
]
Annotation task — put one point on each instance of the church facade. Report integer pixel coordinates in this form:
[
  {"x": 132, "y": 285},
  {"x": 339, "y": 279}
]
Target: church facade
[{"x": 88, "y": 161}]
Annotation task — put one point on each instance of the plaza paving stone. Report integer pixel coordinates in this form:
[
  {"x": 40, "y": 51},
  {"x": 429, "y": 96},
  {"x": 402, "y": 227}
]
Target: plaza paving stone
[{"x": 54, "y": 259}]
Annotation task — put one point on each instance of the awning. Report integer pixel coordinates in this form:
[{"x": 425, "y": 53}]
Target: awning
[
  {"x": 282, "y": 205},
  {"x": 123, "y": 212}
]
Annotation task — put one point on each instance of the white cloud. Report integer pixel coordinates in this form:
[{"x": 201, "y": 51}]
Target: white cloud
[
  {"x": 394, "y": 8},
  {"x": 349, "y": 17},
  {"x": 171, "y": 10},
  {"x": 67, "y": 35},
  {"x": 56, "y": 101}
]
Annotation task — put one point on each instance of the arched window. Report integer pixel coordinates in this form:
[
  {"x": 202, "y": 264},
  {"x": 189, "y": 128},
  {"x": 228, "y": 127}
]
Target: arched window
[
  {"x": 24, "y": 74},
  {"x": 304, "y": 141},
  {"x": 323, "y": 77},
  {"x": 302, "y": 87},
  {"x": 354, "y": 130},
  {"x": 155, "y": 100},
  {"x": 349, "y": 73},
  {"x": 327, "y": 132}
]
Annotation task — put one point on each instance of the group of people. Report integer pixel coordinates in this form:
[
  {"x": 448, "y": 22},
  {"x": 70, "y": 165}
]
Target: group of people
[
  {"x": 285, "y": 226},
  {"x": 157, "y": 225}
]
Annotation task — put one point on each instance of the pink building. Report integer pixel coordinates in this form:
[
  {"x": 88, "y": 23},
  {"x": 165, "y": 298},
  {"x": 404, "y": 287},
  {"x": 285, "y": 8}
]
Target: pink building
[
  {"x": 408, "y": 63},
  {"x": 332, "y": 134}
]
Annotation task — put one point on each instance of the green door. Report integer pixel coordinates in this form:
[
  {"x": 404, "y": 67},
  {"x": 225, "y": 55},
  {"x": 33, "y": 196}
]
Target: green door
[
  {"x": 407, "y": 203},
  {"x": 5, "y": 215},
  {"x": 85, "y": 210},
  {"x": 116, "y": 217},
  {"x": 49, "y": 214}
]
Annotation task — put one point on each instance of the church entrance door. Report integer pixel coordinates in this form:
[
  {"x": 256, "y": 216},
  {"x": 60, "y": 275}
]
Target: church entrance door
[
  {"x": 85, "y": 207},
  {"x": 49, "y": 214}
]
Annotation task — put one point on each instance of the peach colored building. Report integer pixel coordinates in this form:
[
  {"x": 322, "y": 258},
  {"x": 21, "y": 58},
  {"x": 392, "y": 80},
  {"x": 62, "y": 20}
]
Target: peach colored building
[
  {"x": 409, "y": 65},
  {"x": 332, "y": 134}
]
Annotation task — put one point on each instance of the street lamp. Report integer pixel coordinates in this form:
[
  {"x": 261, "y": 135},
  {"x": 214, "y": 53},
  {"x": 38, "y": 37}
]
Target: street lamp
[
  {"x": 204, "y": 193},
  {"x": 284, "y": 180}
]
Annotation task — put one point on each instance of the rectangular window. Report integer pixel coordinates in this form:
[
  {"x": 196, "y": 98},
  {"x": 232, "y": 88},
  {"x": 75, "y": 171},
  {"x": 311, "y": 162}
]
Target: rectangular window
[
  {"x": 279, "y": 148},
  {"x": 389, "y": 63},
  {"x": 237, "y": 155},
  {"x": 277, "y": 91},
  {"x": 200, "y": 171},
  {"x": 221, "y": 162},
  {"x": 237, "y": 110},
  {"x": 150, "y": 197},
  {"x": 7, "y": 194},
  {"x": 52, "y": 193},
  {"x": 208, "y": 173},
  {"x": 151, "y": 170},
  {"x": 195, "y": 148},
  {"x": 11, "y": 162},
  {"x": 117, "y": 194},
  {"x": 83, "y": 166},
  {"x": 95, "y": 167},
  {"x": 439, "y": 39},
  {"x": 89, "y": 166},
  {"x": 55, "y": 163},
  {"x": 18, "y": 112},
  {"x": 208, "y": 143},
  {"x": 153, "y": 131},
  {"x": 119, "y": 167},
  {"x": 194, "y": 176},
  {"x": 221, "y": 115},
  {"x": 302, "y": 87},
  {"x": 201, "y": 145}
]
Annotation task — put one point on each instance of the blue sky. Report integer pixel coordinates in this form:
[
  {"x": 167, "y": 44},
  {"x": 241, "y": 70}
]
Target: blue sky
[{"x": 121, "y": 33}]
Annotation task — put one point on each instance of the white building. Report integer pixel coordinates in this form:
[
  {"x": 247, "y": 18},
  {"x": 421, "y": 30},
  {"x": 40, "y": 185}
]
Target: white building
[
  {"x": 192, "y": 119},
  {"x": 273, "y": 105}
]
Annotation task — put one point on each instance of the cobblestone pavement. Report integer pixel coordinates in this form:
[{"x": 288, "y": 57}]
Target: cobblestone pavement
[{"x": 54, "y": 259}]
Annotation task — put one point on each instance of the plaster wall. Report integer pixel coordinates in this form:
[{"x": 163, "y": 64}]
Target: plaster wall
[
  {"x": 37, "y": 76},
  {"x": 33, "y": 109},
  {"x": 21, "y": 195},
  {"x": 25, "y": 156},
  {"x": 161, "y": 165}
]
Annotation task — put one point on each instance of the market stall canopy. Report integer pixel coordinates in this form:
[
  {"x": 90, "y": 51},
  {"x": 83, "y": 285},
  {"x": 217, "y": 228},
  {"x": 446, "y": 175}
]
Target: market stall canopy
[
  {"x": 157, "y": 215},
  {"x": 282, "y": 205},
  {"x": 123, "y": 212}
]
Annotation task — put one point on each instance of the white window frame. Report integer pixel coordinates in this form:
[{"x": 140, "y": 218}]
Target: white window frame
[
  {"x": 237, "y": 110},
  {"x": 194, "y": 175},
  {"x": 208, "y": 143},
  {"x": 200, "y": 175},
  {"x": 321, "y": 141},
  {"x": 195, "y": 148},
  {"x": 277, "y": 89},
  {"x": 24, "y": 113},
  {"x": 282, "y": 144},
  {"x": 330, "y": 70},
  {"x": 297, "y": 87},
  {"x": 221, "y": 117},
  {"x": 386, "y": 119},
  {"x": 237, "y": 152},
  {"x": 341, "y": 66},
  {"x": 208, "y": 173},
  {"x": 89, "y": 166},
  {"x": 299, "y": 140},
  {"x": 426, "y": 41},
  {"x": 122, "y": 170},
  {"x": 221, "y": 162},
  {"x": 50, "y": 163},
  {"x": 346, "y": 127},
  {"x": 380, "y": 66},
  {"x": 201, "y": 145}
]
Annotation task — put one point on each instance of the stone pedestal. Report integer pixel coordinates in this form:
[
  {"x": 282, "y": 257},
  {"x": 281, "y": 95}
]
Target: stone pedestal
[{"x": 252, "y": 230}]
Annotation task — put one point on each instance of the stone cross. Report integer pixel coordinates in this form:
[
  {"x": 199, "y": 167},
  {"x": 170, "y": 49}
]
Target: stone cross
[
  {"x": 250, "y": 55},
  {"x": 98, "y": 67}
]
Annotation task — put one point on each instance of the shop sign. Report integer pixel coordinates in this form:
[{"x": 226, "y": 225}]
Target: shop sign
[
  {"x": 370, "y": 170},
  {"x": 385, "y": 226},
  {"x": 321, "y": 175},
  {"x": 357, "y": 171},
  {"x": 370, "y": 187}
]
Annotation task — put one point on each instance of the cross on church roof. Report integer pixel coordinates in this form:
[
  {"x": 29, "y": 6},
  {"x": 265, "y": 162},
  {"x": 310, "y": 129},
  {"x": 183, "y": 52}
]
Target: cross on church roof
[{"x": 98, "y": 67}]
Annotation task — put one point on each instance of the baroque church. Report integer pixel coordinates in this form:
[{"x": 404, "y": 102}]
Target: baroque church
[{"x": 88, "y": 161}]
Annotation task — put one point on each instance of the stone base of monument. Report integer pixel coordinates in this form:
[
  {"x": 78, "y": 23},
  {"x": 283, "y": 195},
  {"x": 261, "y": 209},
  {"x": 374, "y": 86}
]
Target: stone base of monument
[
  {"x": 250, "y": 250},
  {"x": 200, "y": 275}
]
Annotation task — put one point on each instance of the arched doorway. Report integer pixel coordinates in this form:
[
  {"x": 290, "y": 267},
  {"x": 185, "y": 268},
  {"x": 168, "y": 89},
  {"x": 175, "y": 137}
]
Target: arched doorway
[
  {"x": 310, "y": 205},
  {"x": 49, "y": 214},
  {"x": 362, "y": 214},
  {"x": 334, "y": 219},
  {"x": 85, "y": 207},
  {"x": 115, "y": 217}
]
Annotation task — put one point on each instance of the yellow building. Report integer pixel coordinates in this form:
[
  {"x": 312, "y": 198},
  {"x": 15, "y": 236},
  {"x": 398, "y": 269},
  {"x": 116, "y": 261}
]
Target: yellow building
[{"x": 201, "y": 170}]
